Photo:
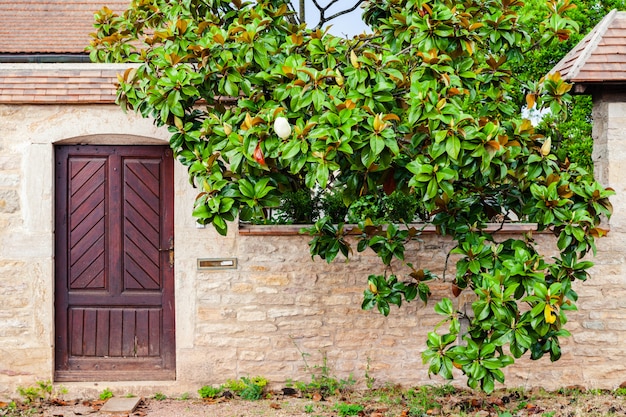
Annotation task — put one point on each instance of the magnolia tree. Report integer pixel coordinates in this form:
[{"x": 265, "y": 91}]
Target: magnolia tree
[{"x": 258, "y": 106}]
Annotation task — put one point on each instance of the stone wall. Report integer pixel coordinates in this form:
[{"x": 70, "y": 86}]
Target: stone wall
[{"x": 278, "y": 310}]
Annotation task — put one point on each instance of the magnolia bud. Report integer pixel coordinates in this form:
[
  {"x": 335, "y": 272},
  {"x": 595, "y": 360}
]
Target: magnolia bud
[{"x": 282, "y": 127}]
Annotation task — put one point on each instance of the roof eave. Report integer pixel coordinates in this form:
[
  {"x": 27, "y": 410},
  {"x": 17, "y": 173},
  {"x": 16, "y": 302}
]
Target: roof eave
[{"x": 592, "y": 39}]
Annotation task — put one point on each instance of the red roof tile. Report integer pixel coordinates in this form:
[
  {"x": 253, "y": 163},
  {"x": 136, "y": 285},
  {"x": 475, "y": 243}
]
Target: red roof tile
[
  {"x": 600, "y": 56},
  {"x": 50, "y": 26}
]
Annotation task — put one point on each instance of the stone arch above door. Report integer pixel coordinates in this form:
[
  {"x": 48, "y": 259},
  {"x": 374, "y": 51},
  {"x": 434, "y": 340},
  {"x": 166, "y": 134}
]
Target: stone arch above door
[{"x": 111, "y": 139}]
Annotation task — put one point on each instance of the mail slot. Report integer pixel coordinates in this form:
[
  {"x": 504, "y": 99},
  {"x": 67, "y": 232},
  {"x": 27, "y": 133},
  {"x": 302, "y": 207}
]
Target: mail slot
[{"x": 217, "y": 263}]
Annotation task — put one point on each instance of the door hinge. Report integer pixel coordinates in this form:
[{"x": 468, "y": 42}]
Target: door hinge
[{"x": 170, "y": 250}]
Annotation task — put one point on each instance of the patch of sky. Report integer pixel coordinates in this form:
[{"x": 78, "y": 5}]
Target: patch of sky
[
  {"x": 346, "y": 25},
  {"x": 534, "y": 115}
]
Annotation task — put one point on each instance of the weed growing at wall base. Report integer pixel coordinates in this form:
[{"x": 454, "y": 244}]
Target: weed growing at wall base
[
  {"x": 322, "y": 381},
  {"x": 209, "y": 391},
  {"x": 159, "y": 396},
  {"x": 245, "y": 388},
  {"x": 106, "y": 394},
  {"x": 390, "y": 401},
  {"x": 40, "y": 391}
]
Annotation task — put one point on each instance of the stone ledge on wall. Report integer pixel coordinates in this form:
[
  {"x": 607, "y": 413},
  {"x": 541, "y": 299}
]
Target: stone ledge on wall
[{"x": 294, "y": 229}]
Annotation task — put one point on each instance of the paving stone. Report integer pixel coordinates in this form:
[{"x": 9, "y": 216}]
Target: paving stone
[{"x": 120, "y": 405}]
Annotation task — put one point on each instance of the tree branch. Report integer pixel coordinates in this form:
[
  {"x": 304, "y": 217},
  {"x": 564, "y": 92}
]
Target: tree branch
[
  {"x": 351, "y": 9},
  {"x": 324, "y": 9}
]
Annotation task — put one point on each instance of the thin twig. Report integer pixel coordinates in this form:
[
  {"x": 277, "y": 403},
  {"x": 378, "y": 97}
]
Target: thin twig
[
  {"x": 294, "y": 18},
  {"x": 323, "y": 9},
  {"x": 445, "y": 265}
]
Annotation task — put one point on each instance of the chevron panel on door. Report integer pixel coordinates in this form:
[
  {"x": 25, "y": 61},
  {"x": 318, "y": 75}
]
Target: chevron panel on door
[
  {"x": 141, "y": 225},
  {"x": 87, "y": 228}
]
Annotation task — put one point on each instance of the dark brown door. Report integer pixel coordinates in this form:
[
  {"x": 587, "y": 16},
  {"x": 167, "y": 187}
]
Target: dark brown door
[{"x": 114, "y": 295}]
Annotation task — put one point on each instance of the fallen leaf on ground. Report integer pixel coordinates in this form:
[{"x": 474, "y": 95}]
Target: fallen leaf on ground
[{"x": 533, "y": 409}]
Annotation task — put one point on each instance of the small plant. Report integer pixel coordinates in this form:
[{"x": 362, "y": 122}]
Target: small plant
[
  {"x": 366, "y": 207},
  {"x": 30, "y": 394},
  {"x": 402, "y": 208},
  {"x": 308, "y": 408},
  {"x": 389, "y": 394},
  {"x": 520, "y": 406},
  {"x": 130, "y": 395},
  {"x": 421, "y": 401},
  {"x": 159, "y": 396},
  {"x": 369, "y": 380},
  {"x": 184, "y": 396},
  {"x": 60, "y": 390},
  {"x": 106, "y": 394},
  {"x": 40, "y": 391},
  {"x": 332, "y": 205},
  {"x": 46, "y": 388},
  {"x": 297, "y": 207},
  {"x": 15, "y": 409},
  {"x": 247, "y": 388},
  {"x": 322, "y": 381},
  {"x": 235, "y": 385},
  {"x": 345, "y": 409},
  {"x": 396, "y": 207},
  {"x": 620, "y": 392},
  {"x": 595, "y": 391},
  {"x": 252, "y": 392},
  {"x": 209, "y": 391}
]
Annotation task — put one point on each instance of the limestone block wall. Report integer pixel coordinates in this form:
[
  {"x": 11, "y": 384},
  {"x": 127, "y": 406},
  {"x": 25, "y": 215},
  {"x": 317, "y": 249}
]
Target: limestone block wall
[
  {"x": 283, "y": 305},
  {"x": 278, "y": 307}
]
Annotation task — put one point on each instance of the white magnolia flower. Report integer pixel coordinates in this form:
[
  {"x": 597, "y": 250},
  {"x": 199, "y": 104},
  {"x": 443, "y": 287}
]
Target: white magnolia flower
[{"x": 282, "y": 127}]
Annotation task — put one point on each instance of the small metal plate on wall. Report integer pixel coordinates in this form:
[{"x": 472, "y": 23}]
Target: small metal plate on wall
[{"x": 208, "y": 264}]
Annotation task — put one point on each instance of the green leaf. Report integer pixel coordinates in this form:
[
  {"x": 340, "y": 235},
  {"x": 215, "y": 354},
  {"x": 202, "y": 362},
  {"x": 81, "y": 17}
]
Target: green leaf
[
  {"x": 453, "y": 147},
  {"x": 383, "y": 307},
  {"x": 377, "y": 144},
  {"x": 290, "y": 149},
  {"x": 246, "y": 188},
  {"x": 444, "y": 307},
  {"x": 433, "y": 189}
]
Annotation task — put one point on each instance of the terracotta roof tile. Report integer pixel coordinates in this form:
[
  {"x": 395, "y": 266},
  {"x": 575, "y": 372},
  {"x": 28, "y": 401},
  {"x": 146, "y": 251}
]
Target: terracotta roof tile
[
  {"x": 600, "y": 56},
  {"x": 59, "y": 83},
  {"x": 50, "y": 26}
]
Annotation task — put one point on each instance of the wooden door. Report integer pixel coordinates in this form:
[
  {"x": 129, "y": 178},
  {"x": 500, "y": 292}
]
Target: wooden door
[{"x": 114, "y": 240}]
